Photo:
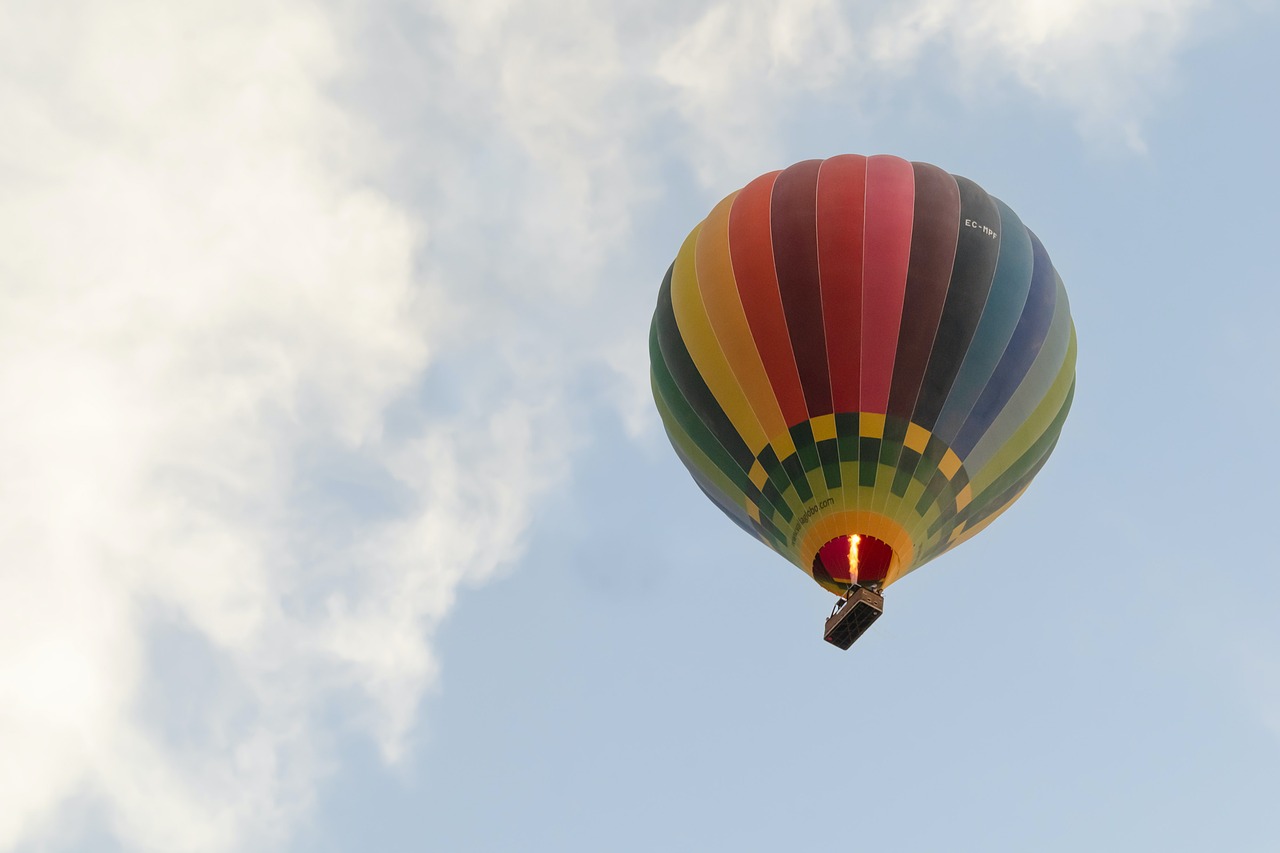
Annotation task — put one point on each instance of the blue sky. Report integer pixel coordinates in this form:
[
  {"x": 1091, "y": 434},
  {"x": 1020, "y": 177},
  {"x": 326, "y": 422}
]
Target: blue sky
[{"x": 338, "y": 517}]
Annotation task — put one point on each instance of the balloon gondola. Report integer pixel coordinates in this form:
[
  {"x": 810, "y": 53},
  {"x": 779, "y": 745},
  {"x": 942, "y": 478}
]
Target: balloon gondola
[{"x": 862, "y": 361}]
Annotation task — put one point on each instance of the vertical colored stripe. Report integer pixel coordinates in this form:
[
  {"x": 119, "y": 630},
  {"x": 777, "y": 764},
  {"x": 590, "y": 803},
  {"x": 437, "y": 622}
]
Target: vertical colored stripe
[
  {"x": 977, "y": 252},
  {"x": 841, "y": 199},
  {"x": 1037, "y": 380},
  {"x": 724, "y": 310},
  {"x": 935, "y": 228},
  {"x": 887, "y": 253},
  {"x": 693, "y": 422},
  {"x": 999, "y": 319},
  {"x": 1023, "y": 348},
  {"x": 1033, "y": 425},
  {"x": 751, "y": 250},
  {"x": 691, "y": 384},
  {"x": 728, "y": 320},
  {"x": 934, "y": 231},
  {"x": 705, "y": 350},
  {"x": 793, "y": 223}
]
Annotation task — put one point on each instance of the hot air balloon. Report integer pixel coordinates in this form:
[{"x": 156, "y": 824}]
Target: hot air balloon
[{"x": 862, "y": 361}]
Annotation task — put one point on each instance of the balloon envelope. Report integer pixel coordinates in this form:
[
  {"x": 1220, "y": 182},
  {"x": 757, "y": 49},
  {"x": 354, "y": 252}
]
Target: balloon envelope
[{"x": 862, "y": 361}]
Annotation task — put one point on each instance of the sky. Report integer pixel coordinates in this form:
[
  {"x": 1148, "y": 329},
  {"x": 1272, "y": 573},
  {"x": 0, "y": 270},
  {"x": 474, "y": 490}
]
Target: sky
[{"x": 335, "y": 513}]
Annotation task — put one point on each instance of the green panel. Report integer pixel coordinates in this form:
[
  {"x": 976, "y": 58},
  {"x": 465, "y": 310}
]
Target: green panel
[
  {"x": 1021, "y": 471},
  {"x": 701, "y": 435},
  {"x": 829, "y": 453},
  {"x": 795, "y": 471},
  {"x": 869, "y": 453},
  {"x": 1045, "y": 413},
  {"x": 906, "y": 467},
  {"x": 847, "y": 435},
  {"x": 723, "y": 492}
]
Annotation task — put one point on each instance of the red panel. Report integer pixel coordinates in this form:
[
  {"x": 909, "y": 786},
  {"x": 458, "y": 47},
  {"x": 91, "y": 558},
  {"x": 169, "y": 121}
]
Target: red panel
[
  {"x": 793, "y": 213},
  {"x": 842, "y": 184},
  {"x": 887, "y": 255},
  {"x": 934, "y": 232},
  {"x": 874, "y": 557},
  {"x": 835, "y": 558},
  {"x": 872, "y": 561},
  {"x": 751, "y": 250}
]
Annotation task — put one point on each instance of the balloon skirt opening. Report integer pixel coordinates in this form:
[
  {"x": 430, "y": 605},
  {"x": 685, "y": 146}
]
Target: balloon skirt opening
[{"x": 853, "y": 559}]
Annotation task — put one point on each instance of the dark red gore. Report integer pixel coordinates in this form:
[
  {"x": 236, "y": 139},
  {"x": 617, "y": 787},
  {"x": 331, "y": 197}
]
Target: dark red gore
[{"x": 870, "y": 562}]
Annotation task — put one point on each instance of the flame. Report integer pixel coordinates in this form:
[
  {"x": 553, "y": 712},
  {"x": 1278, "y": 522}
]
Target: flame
[{"x": 853, "y": 556}]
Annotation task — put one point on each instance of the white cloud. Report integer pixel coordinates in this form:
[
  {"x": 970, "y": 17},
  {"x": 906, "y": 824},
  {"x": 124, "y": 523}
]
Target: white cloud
[
  {"x": 222, "y": 505},
  {"x": 203, "y": 294},
  {"x": 1104, "y": 61},
  {"x": 736, "y": 69}
]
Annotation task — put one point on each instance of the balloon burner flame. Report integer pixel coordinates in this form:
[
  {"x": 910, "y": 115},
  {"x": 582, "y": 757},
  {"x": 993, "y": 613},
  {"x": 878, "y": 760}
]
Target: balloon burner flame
[{"x": 854, "y": 558}]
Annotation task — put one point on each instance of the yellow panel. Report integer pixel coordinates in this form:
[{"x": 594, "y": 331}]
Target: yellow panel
[
  {"x": 883, "y": 497},
  {"x": 808, "y": 523},
  {"x": 813, "y": 540},
  {"x": 719, "y": 291},
  {"x": 917, "y": 437},
  {"x": 723, "y": 305},
  {"x": 753, "y": 511},
  {"x": 681, "y": 439},
  {"x": 909, "y": 501},
  {"x": 824, "y": 427},
  {"x": 950, "y": 464},
  {"x": 782, "y": 445},
  {"x": 919, "y": 530},
  {"x": 848, "y": 476},
  {"x": 868, "y": 523},
  {"x": 1030, "y": 391},
  {"x": 965, "y": 496},
  {"x": 758, "y": 475},
  {"x": 695, "y": 329},
  {"x": 871, "y": 425},
  {"x": 1035, "y": 425},
  {"x": 957, "y": 537},
  {"x": 895, "y": 570},
  {"x": 902, "y": 510}
]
